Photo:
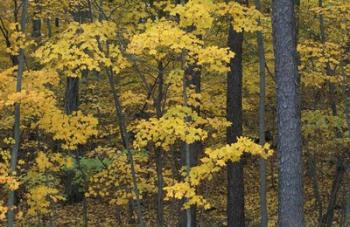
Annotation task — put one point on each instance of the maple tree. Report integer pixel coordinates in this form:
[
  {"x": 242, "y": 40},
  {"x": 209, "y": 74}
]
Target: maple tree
[{"x": 169, "y": 113}]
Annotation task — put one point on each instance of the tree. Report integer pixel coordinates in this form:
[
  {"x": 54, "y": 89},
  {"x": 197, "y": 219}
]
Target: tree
[
  {"x": 17, "y": 126},
  {"x": 262, "y": 129},
  {"x": 235, "y": 184},
  {"x": 290, "y": 197}
]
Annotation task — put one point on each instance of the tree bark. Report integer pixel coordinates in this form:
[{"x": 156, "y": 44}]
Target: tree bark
[
  {"x": 193, "y": 77},
  {"x": 196, "y": 147},
  {"x": 159, "y": 161},
  {"x": 187, "y": 151},
  {"x": 340, "y": 166},
  {"x": 36, "y": 21},
  {"x": 337, "y": 180},
  {"x": 71, "y": 104},
  {"x": 235, "y": 185},
  {"x": 290, "y": 196},
  {"x": 71, "y": 98},
  {"x": 346, "y": 209},
  {"x": 125, "y": 139},
  {"x": 36, "y": 32},
  {"x": 17, "y": 124},
  {"x": 49, "y": 29},
  {"x": 262, "y": 139},
  {"x": 312, "y": 172}
]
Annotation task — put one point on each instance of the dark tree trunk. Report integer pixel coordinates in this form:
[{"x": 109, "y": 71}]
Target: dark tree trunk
[
  {"x": 49, "y": 29},
  {"x": 195, "y": 148},
  {"x": 346, "y": 202},
  {"x": 159, "y": 161},
  {"x": 71, "y": 104},
  {"x": 71, "y": 99},
  {"x": 346, "y": 208},
  {"x": 57, "y": 22},
  {"x": 338, "y": 178},
  {"x": 339, "y": 173},
  {"x": 262, "y": 139},
  {"x": 235, "y": 186},
  {"x": 126, "y": 143},
  {"x": 290, "y": 197},
  {"x": 36, "y": 32},
  {"x": 36, "y": 21},
  {"x": 17, "y": 124},
  {"x": 312, "y": 172}
]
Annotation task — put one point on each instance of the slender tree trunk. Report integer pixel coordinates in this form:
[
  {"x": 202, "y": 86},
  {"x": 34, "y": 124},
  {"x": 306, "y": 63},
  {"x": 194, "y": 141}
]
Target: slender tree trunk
[
  {"x": 346, "y": 209},
  {"x": 71, "y": 104},
  {"x": 312, "y": 172},
  {"x": 125, "y": 139},
  {"x": 290, "y": 197},
  {"x": 196, "y": 147},
  {"x": 262, "y": 162},
  {"x": 193, "y": 77},
  {"x": 36, "y": 22},
  {"x": 49, "y": 29},
  {"x": 17, "y": 124},
  {"x": 340, "y": 168},
  {"x": 6, "y": 35},
  {"x": 235, "y": 186},
  {"x": 187, "y": 151},
  {"x": 57, "y": 22},
  {"x": 337, "y": 180},
  {"x": 346, "y": 205},
  {"x": 159, "y": 161},
  {"x": 72, "y": 189},
  {"x": 71, "y": 99},
  {"x": 36, "y": 32}
]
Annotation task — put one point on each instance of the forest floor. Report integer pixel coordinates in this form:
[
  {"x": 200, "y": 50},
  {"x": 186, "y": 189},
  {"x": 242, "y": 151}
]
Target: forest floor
[{"x": 101, "y": 214}]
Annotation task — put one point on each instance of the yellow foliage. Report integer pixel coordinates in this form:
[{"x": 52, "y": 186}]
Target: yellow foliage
[
  {"x": 314, "y": 58},
  {"x": 72, "y": 129},
  {"x": 114, "y": 183},
  {"x": 83, "y": 47},
  {"x": 197, "y": 13},
  {"x": 214, "y": 160},
  {"x": 18, "y": 39},
  {"x": 243, "y": 18},
  {"x": 11, "y": 183},
  {"x": 40, "y": 198}
]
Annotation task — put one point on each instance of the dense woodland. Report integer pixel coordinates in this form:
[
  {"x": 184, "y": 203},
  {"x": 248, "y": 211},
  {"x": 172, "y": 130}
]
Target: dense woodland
[{"x": 174, "y": 113}]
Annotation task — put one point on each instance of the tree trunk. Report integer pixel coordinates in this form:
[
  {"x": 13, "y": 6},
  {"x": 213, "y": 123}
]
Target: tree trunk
[
  {"x": 346, "y": 209},
  {"x": 235, "y": 184},
  {"x": 36, "y": 21},
  {"x": 49, "y": 29},
  {"x": 125, "y": 139},
  {"x": 187, "y": 151},
  {"x": 346, "y": 202},
  {"x": 312, "y": 172},
  {"x": 71, "y": 104},
  {"x": 36, "y": 32},
  {"x": 262, "y": 162},
  {"x": 338, "y": 178},
  {"x": 340, "y": 168},
  {"x": 159, "y": 161},
  {"x": 196, "y": 147},
  {"x": 290, "y": 197},
  {"x": 193, "y": 78},
  {"x": 71, "y": 98},
  {"x": 17, "y": 124}
]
